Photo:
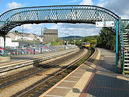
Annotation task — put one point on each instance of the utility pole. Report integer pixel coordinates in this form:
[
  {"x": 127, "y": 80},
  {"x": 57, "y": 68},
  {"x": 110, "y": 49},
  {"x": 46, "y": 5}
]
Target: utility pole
[
  {"x": 4, "y": 36},
  {"x": 22, "y": 35}
]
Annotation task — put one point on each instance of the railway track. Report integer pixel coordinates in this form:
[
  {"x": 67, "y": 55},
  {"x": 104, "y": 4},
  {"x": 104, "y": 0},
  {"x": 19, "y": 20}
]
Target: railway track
[
  {"x": 24, "y": 63},
  {"x": 12, "y": 79},
  {"x": 44, "y": 84}
]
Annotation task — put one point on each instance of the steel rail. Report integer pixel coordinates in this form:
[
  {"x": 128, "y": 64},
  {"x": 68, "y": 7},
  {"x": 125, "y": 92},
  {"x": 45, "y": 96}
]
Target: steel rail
[{"x": 32, "y": 62}]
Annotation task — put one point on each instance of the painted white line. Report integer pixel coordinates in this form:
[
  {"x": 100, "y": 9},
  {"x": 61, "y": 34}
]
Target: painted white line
[
  {"x": 63, "y": 87},
  {"x": 75, "y": 77},
  {"x": 69, "y": 81},
  {"x": 109, "y": 56},
  {"x": 2, "y": 74},
  {"x": 53, "y": 96}
]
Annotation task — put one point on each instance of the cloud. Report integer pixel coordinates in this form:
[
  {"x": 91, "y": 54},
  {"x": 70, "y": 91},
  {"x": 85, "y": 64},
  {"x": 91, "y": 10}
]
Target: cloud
[
  {"x": 86, "y": 2},
  {"x": 73, "y": 1},
  {"x": 32, "y": 28},
  {"x": 120, "y": 7},
  {"x": 76, "y": 29},
  {"x": 102, "y": 3},
  {"x": 12, "y": 5},
  {"x": 29, "y": 28}
]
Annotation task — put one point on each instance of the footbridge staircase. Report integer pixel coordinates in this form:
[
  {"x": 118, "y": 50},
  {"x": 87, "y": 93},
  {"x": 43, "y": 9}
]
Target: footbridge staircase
[{"x": 124, "y": 46}]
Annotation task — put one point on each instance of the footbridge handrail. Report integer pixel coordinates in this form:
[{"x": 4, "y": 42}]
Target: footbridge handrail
[{"x": 54, "y": 14}]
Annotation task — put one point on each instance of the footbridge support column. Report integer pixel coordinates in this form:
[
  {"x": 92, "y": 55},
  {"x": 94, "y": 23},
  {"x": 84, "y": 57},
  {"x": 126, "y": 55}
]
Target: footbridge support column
[{"x": 117, "y": 41}]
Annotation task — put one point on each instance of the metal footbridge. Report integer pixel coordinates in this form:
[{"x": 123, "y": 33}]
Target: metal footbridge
[{"x": 70, "y": 14}]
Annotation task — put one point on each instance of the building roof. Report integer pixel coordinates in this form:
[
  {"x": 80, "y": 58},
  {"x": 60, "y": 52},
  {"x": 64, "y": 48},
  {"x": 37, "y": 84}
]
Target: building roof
[{"x": 50, "y": 30}]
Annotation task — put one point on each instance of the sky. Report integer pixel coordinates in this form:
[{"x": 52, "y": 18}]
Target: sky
[{"x": 120, "y": 7}]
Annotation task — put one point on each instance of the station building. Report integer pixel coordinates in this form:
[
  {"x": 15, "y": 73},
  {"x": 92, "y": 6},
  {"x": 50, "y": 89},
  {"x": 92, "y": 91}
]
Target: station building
[{"x": 50, "y": 35}]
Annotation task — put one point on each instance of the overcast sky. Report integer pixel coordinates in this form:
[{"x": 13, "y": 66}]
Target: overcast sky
[{"x": 120, "y": 7}]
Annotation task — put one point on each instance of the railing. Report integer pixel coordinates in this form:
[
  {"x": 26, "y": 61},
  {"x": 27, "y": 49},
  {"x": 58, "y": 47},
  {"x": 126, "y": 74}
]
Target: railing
[{"x": 55, "y": 14}]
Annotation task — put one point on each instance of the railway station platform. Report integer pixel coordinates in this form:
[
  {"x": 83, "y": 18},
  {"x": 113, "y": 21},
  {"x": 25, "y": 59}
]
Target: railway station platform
[
  {"x": 4, "y": 59},
  {"x": 93, "y": 80}
]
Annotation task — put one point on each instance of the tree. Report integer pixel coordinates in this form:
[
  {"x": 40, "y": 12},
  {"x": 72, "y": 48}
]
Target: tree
[
  {"x": 91, "y": 39},
  {"x": 106, "y": 38}
]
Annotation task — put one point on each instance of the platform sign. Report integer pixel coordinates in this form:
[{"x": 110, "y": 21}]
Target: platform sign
[{"x": 105, "y": 24}]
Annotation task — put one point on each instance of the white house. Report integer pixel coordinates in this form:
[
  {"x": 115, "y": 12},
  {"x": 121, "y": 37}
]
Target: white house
[
  {"x": 24, "y": 36},
  {"x": 12, "y": 38},
  {"x": 8, "y": 42}
]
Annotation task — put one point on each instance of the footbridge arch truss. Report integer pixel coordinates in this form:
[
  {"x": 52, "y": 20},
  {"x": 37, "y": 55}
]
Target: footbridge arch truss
[{"x": 54, "y": 14}]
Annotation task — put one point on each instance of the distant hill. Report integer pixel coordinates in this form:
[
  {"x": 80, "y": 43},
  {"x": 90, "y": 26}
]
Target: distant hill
[
  {"x": 71, "y": 37},
  {"x": 77, "y": 37}
]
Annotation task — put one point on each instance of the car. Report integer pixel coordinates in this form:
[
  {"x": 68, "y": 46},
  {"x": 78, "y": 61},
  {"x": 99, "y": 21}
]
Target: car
[{"x": 4, "y": 52}]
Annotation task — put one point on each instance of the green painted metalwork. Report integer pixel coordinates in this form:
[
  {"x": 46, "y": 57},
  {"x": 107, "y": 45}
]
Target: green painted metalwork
[
  {"x": 54, "y": 14},
  {"x": 117, "y": 41},
  {"x": 124, "y": 30},
  {"x": 121, "y": 55}
]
